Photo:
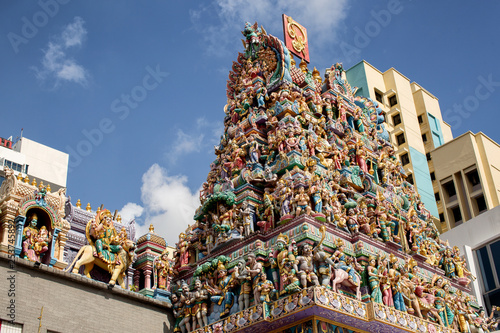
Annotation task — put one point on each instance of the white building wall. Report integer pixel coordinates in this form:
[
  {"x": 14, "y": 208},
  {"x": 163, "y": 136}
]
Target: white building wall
[
  {"x": 44, "y": 162},
  {"x": 472, "y": 235}
]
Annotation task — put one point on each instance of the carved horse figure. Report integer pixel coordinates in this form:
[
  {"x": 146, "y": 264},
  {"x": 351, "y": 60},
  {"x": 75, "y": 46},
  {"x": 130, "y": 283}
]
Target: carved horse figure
[{"x": 339, "y": 276}]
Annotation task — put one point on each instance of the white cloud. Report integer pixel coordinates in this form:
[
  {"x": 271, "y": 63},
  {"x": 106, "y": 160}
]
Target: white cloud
[
  {"x": 321, "y": 18},
  {"x": 74, "y": 33},
  {"x": 168, "y": 204},
  {"x": 131, "y": 211},
  {"x": 57, "y": 66},
  {"x": 205, "y": 134}
]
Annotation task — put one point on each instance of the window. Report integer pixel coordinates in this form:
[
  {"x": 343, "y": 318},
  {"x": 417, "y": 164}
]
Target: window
[
  {"x": 433, "y": 176},
  {"x": 14, "y": 166},
  {"x": 437, "y": 197},
  {"x": 457, "y": 215},
  {"x": 393, "y": 100},
  {"x": 409, "y": 178},
  {"x": 449, "y": 187},
  {"x": 420, "y": 119},
  {"x": 7, "y": 326},
  {"x": 441, "y": 217},
  {"x": 400, "y": 138},
  {"x": 428, "y": 156},
  {"x": 489, "y": 265},
  {"x": 396, "y": 119},
  {"x": 473, "y": 178},
  {"x": 405, "y": 159},
  {"x": 378, "y": 96},
  {"x": 424, "y": 137},
  {"x": 481, "y": 204}
]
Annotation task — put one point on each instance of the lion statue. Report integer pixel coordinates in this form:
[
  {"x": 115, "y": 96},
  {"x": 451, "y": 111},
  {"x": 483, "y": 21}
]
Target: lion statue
[{"x": 107, "y": 249}]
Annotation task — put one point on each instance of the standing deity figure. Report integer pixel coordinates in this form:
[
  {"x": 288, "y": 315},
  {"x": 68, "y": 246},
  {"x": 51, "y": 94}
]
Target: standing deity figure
[
  {"x": 254, "y": 268},
  {"x": 302, "y": 201},
  {"x": 199, "y": 299},
  {"x": 374, "y": 280},
  {"x": 283, "y": 254},
  {"x": 396, "y": 284},
  {"x": 385, "y": 283},
  {"x": 187, "y": 306},
  {"x": 323, "y": 261},
  {"x": 163, "y": 271},
  {"x": 246, "y": 215},
  {"x": 441, "y": 301},
  {"x": 107, "y": 241},
  {"x": 182, "y": 250},
  {"x": 178, "y": 313},
  {"x": 305, "y": 267},
  {"x": 447, "y": 263},
  {"x": 315, "y": 191},
  {"x": 245, "y": 280},
  {"x": 264, "y": 289}
]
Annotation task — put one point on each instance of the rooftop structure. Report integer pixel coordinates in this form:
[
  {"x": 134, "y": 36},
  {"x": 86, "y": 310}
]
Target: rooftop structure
[{"x": 36, "y": 161}]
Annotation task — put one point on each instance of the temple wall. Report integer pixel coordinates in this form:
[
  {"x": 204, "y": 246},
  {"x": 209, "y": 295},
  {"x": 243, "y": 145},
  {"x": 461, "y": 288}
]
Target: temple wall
[{"x": 73, "y": 303}]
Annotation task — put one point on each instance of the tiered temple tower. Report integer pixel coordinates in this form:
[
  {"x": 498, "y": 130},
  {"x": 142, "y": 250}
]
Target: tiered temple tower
[{"x": 307, "y": 223}]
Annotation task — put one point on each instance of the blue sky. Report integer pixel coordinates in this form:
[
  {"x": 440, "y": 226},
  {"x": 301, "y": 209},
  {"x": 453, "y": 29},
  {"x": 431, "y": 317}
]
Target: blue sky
[{"x": 135, "y": 91}]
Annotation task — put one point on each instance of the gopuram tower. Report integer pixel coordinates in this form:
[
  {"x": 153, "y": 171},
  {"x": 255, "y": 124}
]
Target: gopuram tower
[{"x": 306, "y": 222}]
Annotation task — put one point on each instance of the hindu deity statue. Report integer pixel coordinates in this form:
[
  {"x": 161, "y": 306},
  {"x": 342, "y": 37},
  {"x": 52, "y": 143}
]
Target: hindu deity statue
[
  {"x": 374, "y": 280},
  {"x": 164, "y": 271},
  {"x": 305, "y": 267},
  {"x": 199, "y": 300},
  {"x": 224, "y": 289},
  {"x": 35, "y": 241},
  {"x": 107, "y": 242}
]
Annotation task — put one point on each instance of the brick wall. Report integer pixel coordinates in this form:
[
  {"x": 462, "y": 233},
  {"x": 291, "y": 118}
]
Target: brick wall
[{"x": 72, "y": 303}]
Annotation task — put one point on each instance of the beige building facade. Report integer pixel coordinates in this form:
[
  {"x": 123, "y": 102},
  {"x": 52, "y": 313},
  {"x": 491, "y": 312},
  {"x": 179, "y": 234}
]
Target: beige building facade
[
  {"x": 413, "y": 119},
  {"x": 467, "y": 172}
]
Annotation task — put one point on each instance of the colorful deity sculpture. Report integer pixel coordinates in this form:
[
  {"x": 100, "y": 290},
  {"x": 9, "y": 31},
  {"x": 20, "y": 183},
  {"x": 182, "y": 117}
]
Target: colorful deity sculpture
[
  {"x": 163, "y": 271},
  {"x": 106, "y": 249},
  {"x": 34, "y": 241}
]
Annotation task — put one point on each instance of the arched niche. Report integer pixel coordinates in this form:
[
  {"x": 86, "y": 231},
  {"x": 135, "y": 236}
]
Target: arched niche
[{"x": 29, "y": 243}]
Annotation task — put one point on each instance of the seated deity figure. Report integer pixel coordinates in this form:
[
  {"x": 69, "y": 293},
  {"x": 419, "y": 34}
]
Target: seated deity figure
[
  {"x": 342, "y": 262},
  {"x": 107, "y": 242},
  {"x": 34, "y": 241},
  {"x": 42, "y": 240}
]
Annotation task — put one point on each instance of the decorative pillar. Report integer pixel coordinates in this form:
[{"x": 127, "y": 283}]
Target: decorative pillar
[
  {"x": 130, "y": 276},
  {"x": 52, "y": 248},
  {"x": 147, "y": 278},
  {"x": 137, "y": 277},
  {"x": 63, "y": 238},
  {"x": 19, "y": 221},
  {"x": 6, "y": 226}
]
